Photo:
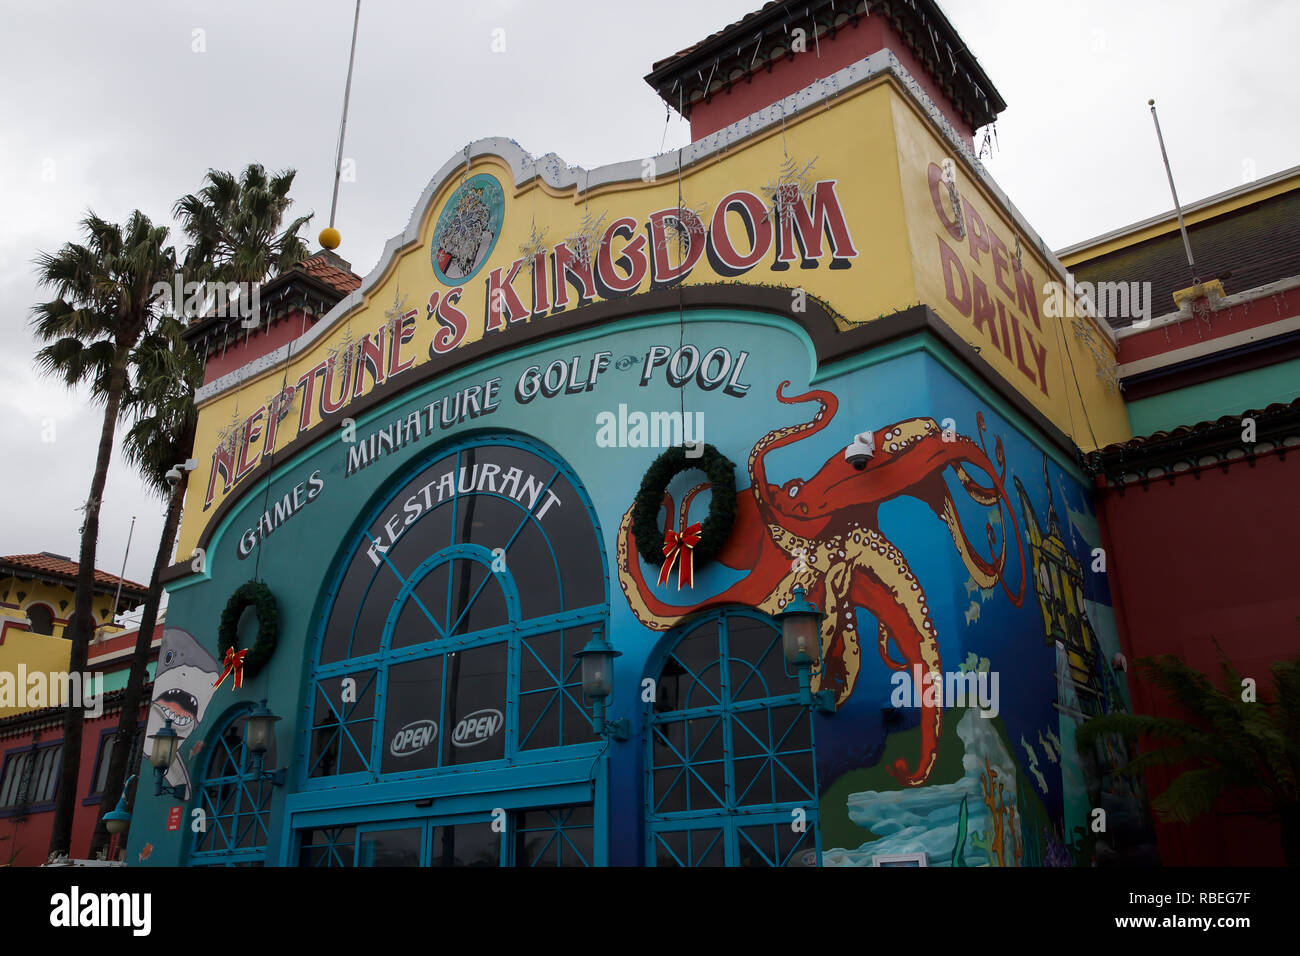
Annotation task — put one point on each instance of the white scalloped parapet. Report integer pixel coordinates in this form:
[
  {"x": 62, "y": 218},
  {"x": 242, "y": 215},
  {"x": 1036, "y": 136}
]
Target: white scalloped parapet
[{"x": 553, "y": 171}]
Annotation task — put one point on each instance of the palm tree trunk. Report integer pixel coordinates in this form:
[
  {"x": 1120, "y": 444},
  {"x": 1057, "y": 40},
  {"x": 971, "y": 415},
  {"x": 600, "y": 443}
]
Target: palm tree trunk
[
  {"x": 130, "y": 713},
  {"x": 83, "y": 619}
]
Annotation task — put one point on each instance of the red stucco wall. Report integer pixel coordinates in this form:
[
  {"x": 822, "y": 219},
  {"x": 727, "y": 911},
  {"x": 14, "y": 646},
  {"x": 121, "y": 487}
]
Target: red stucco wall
[
  {"x": 259, "y": 343},
  {"x": 821, "y": 59},
  {"x": 1206, "y": 558}
]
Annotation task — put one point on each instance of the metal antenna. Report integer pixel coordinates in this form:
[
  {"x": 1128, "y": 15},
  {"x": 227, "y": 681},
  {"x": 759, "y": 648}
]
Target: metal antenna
[
  {"x": 1168, "y": 172},
  {"x": 343, "y": 125},
  {"x": 123, "y": 574}
]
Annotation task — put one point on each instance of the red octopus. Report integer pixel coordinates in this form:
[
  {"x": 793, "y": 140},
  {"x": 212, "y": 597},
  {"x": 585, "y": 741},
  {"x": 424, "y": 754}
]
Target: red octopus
[{"x": 823, "y": 533}]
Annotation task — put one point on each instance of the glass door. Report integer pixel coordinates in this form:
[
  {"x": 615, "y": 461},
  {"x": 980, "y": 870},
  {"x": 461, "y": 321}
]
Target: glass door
[{"x": 537, "y": 836}]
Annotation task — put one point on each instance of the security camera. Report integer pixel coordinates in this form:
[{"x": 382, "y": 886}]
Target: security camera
[
  {"x": 173, "y": 476},
  {"x": 1119, "y": 662},
  {"x": 861, "y": 451}
]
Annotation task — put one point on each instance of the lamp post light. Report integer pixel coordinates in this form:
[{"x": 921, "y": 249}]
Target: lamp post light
[
  {"x": 165, "y": 744},
  {"x": 801, "y": 639},
  {"x": 118, "y": 820},
  {"x": 259, "y": 735},
  {"x": 597, "y": 660}
]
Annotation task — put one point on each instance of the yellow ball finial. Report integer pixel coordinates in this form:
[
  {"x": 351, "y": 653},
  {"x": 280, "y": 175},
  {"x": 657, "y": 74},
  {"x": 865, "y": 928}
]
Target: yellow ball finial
[{"x": 330, "y": 238}]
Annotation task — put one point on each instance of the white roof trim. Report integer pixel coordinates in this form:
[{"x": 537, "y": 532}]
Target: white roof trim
[{"x": 1171, "y": 216}]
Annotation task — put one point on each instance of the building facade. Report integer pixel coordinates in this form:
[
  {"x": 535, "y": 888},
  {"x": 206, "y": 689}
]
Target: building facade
[
  {"x": 1196, "y": 507},
  {"x": 31, "y": 748},
  {"x": 37, "y": 592},
  {"x": 445, "y": 483}
]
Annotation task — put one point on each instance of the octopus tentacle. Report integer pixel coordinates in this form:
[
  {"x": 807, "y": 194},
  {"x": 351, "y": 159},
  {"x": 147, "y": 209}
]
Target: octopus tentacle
[
  {"x": 884, "y": 639},
  {"x": 780, "y": 437},
  {"x": 686, "y": 504}
]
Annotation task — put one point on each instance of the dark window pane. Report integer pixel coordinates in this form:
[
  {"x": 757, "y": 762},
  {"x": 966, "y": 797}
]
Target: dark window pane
[
  {"x": 555, "y": 836},
  {"x": 466, "y": 844},
  {"x": 577, "y": 549},
  {"x": 342, "y": 729},
  {"x": 551, "y": 711},
  {"x": 390, "y": 847},
  {"x": 477, "y": 600},
  {"x": 413, "y": 722},
  {"x": 327, "y": 846},
  {"x": 423, "y": 616},
  {"x": 338, "y": 632},
  {"x": 697, "y": 654},
  {"x": 533, "y": 566},
  {"x": 474, "y": 723},
  {"x": 757, "y": 664}
]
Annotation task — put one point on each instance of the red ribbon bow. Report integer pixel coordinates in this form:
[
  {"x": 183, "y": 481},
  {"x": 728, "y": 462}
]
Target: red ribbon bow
[
  {"x": 681, "y": 545},
  {"x": 234, "y": 664}
]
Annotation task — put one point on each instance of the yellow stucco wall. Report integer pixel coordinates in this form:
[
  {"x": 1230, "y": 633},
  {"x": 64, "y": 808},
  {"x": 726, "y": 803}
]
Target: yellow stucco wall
[
  {"x": 871, "y": 141},
  {"x": 40, "y": 652}
]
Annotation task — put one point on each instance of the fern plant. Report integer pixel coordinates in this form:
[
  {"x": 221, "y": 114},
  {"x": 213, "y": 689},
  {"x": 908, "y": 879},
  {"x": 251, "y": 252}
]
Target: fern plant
[{"x": 1234, "y": 745}]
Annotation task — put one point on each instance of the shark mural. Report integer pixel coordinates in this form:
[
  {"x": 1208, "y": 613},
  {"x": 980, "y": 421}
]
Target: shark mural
[{"x": 182, "y": 688}]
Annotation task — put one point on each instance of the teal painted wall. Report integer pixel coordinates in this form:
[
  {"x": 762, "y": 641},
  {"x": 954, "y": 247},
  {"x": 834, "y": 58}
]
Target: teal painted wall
[{"x": 1208, "y": 401}]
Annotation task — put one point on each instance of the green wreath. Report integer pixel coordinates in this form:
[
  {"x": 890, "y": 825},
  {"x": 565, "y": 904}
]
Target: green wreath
[
  {"x": 259, "y": 596},
  {"x": 649, "y": 499}
]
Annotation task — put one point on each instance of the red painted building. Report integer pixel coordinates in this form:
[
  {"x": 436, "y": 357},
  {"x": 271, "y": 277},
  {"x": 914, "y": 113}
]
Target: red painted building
[
  {"x": 1198, "y": 513},
  {"x": 31, "y": 745}
]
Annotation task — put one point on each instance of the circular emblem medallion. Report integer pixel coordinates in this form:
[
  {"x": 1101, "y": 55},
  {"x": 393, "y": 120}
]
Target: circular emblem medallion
[{"x": 467, "y": 230}]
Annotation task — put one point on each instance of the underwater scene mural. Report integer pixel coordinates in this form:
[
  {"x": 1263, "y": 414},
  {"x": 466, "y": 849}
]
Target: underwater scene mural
[{"x": 953, "y": 743}]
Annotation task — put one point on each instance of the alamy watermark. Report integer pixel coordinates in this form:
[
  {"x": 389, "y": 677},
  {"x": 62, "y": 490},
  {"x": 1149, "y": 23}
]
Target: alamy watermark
[
  {"x": 203, "y": 299},
  {"x": 32, "y": 690},
  {"x": 660, "y": 429},
  {"x": 974, "y": 688},
  {"x": 1099, "y": 300}
]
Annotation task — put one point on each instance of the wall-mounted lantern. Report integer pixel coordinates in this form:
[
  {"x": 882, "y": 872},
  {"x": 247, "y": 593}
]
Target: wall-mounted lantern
[
  {"x": 598, "y": 683},
  {"x": 165, "y": 744},
  {"x": 259, "y": 735},
  {"x": 801, "y": 638}
]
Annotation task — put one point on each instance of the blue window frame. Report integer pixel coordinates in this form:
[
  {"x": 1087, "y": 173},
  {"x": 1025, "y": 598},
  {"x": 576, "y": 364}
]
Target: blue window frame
[
  {"x": 235, "y": 803},
  {"x": 457, "y": 606},
  {"x": 730, "y": 776}
]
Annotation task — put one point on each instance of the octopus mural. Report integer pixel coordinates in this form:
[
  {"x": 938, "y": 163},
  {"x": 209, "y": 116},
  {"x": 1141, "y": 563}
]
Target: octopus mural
[{"x": 823, "y": 533}]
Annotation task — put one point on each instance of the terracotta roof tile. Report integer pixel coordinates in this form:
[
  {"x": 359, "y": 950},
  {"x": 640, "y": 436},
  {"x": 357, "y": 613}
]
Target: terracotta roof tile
[
  {"x": 57, "y": 566},
  {"x": 318, "y": 268},
  {"x": 1184, "y": 431}
]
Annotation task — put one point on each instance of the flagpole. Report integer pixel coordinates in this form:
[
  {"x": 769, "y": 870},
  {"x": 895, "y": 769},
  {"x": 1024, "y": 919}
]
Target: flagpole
[
  {"x": 123, "y": 574},
  {"x": 343, "y": 125},
  {"x": 1168, "y": 172}
]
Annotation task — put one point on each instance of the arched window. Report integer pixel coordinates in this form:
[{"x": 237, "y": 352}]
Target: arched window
[
  {"x": 730, "y": 778},
  {"x": 42, "y": 619},
  {"x": 454, "y": 617},
  {"x": 236, "y": 805}
]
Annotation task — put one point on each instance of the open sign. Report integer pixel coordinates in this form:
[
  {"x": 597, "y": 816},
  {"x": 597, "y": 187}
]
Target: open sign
[
  {"x": 413, "y": 738},
  {"x": 477, "y": 727}
]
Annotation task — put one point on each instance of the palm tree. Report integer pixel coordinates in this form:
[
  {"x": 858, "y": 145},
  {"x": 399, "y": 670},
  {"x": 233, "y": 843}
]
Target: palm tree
[
  {"x": 234, "y": 228},
  {"x": 105, "y": 301},
  {"x": 161, "y": 404},
  {"x": 1235, "y": 745}
]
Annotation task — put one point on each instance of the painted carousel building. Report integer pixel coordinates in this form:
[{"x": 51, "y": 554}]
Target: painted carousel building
[{"x": 635, "y": 408}]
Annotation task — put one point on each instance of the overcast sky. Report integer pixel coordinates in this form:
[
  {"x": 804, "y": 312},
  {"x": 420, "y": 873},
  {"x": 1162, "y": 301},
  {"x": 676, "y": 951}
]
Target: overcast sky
[{"x": 118, "y": 106}]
